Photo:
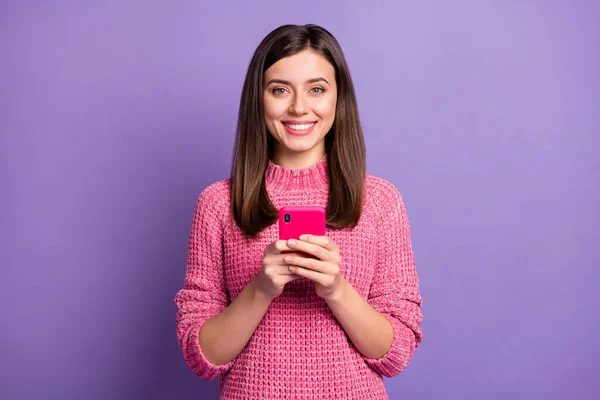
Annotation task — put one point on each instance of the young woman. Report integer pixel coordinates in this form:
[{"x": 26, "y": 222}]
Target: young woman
[{"x": 275, "y": 325}]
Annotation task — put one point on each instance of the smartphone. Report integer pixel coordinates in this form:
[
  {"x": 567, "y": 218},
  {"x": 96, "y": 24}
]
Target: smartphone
[{"x": 298, "y": 220}]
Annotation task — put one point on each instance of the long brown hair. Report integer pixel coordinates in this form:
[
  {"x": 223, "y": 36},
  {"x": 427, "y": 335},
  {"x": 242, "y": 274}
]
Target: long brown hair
[{"x": 344, "y": 143}]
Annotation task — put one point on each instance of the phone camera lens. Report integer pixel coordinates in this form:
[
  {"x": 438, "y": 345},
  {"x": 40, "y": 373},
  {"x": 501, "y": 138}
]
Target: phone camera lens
[{"x": 287, "y": 218}]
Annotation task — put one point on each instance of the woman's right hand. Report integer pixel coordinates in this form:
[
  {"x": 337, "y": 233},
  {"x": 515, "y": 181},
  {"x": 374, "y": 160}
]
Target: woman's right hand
[{"x": 274, "y": 272}]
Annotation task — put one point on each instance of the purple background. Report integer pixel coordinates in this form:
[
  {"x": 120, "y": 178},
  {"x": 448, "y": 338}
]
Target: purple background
[{"x": 114, "y": 116}]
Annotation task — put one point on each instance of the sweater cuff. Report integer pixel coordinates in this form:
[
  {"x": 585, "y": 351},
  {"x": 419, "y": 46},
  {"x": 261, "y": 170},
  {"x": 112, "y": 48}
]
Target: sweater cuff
[
  {"x": 197, "y": 360},
  {"x": 399, "y": 354}
]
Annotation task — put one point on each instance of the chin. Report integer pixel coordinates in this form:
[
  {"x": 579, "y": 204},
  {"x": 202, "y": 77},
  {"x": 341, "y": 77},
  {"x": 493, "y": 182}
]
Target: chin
[
  {"x": 300, "y": 147},
  {"x": 298, "y": 150}
]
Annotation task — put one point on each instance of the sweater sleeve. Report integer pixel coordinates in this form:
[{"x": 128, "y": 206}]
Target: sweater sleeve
[
  {"x": 204, "y": 294},
  {"x": 394, "y": 291}
]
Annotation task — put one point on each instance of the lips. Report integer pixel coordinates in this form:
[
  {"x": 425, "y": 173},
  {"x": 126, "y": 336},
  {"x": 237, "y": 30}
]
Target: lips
[{"x": 299, "y": 128}]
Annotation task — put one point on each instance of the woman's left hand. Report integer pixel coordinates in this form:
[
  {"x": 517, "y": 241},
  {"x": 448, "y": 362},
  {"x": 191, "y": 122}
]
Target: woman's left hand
[{"x": 325, "y": 270}]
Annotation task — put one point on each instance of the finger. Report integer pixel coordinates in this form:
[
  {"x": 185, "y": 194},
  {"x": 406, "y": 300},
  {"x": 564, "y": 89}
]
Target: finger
[
  {"x": 284, "y": 270},
  {"x": 313, "y": 249},
  {"x": 307, "y": 273},
  {"x": 280, "y": 270},
  {"x": 274, "y": 262},
  {"x": 309, "y": 263},
  {"x": 281, "y": 258},
  {"x": 278, "y": 246},
  {"x": 323, "y": 241}
]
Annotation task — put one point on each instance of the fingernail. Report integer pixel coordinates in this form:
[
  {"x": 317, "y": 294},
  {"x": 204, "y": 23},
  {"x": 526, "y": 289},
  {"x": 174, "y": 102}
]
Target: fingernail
[
  {"x": 291, "y": 242},
  {"x": 288, "y": 258},
  {"x": 303, "y": 237}
]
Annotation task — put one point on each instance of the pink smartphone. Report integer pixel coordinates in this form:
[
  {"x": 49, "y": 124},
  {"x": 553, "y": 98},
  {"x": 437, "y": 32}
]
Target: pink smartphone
[{"x": 298, "y": 220}]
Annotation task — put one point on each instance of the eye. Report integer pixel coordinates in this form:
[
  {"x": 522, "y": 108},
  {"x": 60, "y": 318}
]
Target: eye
[
  {"x": 317, "y": 90},
  {"x": 278, "y": 91}
]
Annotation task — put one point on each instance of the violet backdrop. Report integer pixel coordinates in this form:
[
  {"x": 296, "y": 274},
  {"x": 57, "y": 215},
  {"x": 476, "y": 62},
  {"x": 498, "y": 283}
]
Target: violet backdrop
[{"x": 115, "y": 115}]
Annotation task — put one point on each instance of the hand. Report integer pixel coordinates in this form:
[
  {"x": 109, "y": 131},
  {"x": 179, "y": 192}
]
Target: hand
[
  {"x": 274, "y": 272},
  {"x": 325, "y": 270}
]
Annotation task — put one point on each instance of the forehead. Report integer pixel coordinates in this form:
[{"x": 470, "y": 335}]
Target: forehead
[{"x": 300, "y": 67}]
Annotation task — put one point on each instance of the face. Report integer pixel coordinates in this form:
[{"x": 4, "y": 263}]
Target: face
[{"x": 300, "y": 96}]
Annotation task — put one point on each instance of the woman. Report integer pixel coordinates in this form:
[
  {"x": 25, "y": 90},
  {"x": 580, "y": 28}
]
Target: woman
[{"x": 287, "y": 326}]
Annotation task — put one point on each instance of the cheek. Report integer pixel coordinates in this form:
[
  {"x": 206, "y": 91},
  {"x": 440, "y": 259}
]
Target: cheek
[
  {"x": 326, "y": 108},
  {"x": 273, "y": 109}
]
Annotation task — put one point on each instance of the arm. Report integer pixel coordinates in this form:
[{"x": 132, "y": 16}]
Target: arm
[
  {"x": 394, "y": 290},
  {"x": 385, "y": 327},
  {"x": 210, "y": 331},
  {"x": 224, "y": 336},
  {"x": 370, "y": 331}
]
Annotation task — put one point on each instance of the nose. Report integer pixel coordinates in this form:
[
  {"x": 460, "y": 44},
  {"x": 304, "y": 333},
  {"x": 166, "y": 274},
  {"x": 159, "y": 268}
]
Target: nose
[{"x": 298, "y": 105}]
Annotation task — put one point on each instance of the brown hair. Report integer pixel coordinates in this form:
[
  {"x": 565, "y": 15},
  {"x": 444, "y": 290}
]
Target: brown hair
[{"x": 344, "y": 143}]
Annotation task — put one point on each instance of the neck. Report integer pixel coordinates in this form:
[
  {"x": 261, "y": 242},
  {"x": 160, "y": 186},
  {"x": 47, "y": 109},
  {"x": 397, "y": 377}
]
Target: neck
[
  {"x": 296, "y": 160},
  {"x": 312, "y": 177}
]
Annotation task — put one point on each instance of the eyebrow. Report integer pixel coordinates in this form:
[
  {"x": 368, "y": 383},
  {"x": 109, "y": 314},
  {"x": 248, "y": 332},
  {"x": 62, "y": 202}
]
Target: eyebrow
[{"x": 284, "y": 82}]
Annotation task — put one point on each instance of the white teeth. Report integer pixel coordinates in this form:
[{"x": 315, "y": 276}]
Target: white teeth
[{"x": 302, "y": 127}]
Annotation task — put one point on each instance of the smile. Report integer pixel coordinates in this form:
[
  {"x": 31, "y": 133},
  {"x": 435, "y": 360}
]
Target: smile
[{"x": 299, "y": 129}]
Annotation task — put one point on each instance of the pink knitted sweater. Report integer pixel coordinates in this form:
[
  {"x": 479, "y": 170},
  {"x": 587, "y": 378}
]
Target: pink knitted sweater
[{"x": 299, "y": 350}]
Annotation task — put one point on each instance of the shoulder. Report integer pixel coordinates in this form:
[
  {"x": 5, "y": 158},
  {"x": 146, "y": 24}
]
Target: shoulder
[
  {"x": 216, "y": 190},
  {"x": 215, "y": 198},
  {"x": 381, "y": 193},
  {"x": 385, "y": 201}
]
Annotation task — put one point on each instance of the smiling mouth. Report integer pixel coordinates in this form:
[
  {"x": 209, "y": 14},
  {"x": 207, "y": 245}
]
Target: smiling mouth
[
  {"x": 299, "y": 130},
  {"x": 300, "y": 127}
]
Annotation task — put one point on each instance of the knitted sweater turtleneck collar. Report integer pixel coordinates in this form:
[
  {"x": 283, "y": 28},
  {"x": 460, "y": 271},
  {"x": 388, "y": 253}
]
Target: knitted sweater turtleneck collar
[{"x": 279, "y": 178}]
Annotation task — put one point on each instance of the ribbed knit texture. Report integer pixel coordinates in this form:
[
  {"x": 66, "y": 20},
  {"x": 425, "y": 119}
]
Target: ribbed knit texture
[{"x": 299, "y": 350}]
